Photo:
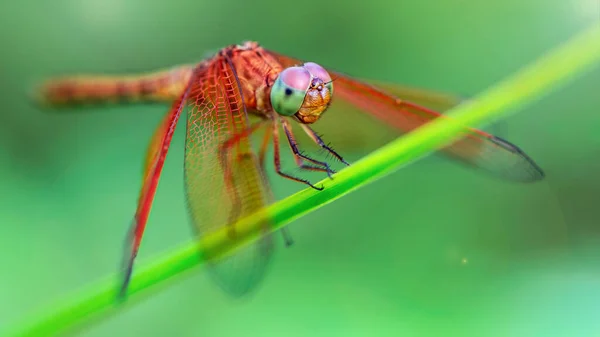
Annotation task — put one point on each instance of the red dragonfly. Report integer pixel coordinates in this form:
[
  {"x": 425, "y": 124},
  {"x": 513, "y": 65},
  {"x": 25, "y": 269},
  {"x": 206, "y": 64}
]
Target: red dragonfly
[{"x": 244, "y": 90}]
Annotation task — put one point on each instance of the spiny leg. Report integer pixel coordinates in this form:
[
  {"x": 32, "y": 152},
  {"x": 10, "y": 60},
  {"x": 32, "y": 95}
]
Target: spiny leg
[
  {"x": 225, "y": 158},
  {"x": 277, "y": 159},
  {"x": 299, "y": 157},
  {"x": 287, "y": 237},
  {"x": 313, "y": 135},
  {"x": 264, "y": 147}
]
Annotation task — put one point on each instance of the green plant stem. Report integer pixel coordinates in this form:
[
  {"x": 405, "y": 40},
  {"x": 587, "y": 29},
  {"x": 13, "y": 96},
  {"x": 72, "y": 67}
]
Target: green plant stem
[{"x": 553, "y": 69}]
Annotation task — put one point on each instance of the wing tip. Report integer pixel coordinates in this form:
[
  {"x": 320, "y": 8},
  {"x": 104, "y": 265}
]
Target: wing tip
[
  {"x": 534, "y": 171},
  {"x": 248, "y": 271}
]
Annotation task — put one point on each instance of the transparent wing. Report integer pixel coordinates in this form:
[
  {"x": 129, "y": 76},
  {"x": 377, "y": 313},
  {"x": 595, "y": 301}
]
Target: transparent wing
[
  {"x": 363, "y": 117},
  {"x": 215, "y": 113}
]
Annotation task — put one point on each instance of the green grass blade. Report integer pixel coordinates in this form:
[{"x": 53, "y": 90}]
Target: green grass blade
[{"x": 553, "y": 69}]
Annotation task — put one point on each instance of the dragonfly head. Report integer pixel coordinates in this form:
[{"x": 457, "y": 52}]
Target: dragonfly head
[{"x": 302, "y": 91}]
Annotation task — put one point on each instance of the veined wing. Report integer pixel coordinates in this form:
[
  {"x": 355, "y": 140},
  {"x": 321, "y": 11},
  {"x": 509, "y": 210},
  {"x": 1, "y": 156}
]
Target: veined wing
[
  {"x": 376, "y": 116},
  {"x": 217, "y": 197}
]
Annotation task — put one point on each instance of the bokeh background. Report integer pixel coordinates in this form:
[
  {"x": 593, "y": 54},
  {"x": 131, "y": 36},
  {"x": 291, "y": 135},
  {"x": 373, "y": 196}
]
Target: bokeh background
[{"x": 432, "y": 250}]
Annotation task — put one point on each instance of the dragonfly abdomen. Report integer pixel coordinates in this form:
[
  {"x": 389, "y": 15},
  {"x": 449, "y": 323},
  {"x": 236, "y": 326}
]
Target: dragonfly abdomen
[{"x": 161, "y": 86}]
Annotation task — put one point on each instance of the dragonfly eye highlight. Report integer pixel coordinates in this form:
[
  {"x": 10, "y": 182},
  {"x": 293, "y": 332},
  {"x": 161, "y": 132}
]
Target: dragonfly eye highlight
[
  {"x": 289, "y": 90},
  {"x": 319, "y": 72}
]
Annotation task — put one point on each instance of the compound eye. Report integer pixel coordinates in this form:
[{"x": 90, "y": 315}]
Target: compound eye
[
  {"x": 289, "y": 90},
  {"x": 317, "y": 71}
]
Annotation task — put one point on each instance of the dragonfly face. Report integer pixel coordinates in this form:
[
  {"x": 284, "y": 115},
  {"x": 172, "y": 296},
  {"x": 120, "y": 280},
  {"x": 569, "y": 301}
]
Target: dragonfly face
[{"x": 302, "y": 91}]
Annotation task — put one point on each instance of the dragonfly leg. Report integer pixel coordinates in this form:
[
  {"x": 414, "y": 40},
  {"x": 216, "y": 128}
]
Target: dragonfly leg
[
  {"x": 277, "y": 160},
  {"x": 299, "y": 156},
  {"x": 263, "y": 148},
  {"x": 285, "y": 233},
  {"x": 313, "y": 135},
  {"x": 287, "y": 237},
  {"x": 224, "y": 156}
]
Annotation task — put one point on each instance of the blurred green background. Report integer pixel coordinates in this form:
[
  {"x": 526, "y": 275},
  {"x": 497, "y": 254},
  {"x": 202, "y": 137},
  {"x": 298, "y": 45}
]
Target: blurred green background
[{"x": 433, "y": 250}]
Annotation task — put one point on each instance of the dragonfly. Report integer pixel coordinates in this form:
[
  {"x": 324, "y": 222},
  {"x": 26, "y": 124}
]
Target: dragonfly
[{"x": 245, "y": 92}]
